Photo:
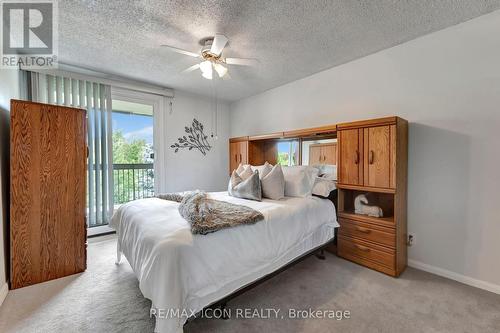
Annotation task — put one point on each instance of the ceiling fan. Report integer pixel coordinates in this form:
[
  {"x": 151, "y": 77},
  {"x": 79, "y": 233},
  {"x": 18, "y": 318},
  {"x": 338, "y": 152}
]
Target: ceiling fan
[{"x": 211, "y": 57}]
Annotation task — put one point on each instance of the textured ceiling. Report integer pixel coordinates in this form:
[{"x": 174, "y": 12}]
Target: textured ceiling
[{"x": 291, "y": 38}]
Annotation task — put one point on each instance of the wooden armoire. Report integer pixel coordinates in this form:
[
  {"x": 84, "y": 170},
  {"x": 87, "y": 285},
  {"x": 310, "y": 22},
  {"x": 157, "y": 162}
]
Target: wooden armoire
[
  {"x": 373, "y": 160},
  {"x": 48, "y": 162}
]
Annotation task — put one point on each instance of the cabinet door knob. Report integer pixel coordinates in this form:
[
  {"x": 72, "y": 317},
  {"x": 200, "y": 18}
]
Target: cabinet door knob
[
  {"x": 370, "y": 159},
  {"x": 363, "y": 230},
  {"x": 356, "y": 159}
]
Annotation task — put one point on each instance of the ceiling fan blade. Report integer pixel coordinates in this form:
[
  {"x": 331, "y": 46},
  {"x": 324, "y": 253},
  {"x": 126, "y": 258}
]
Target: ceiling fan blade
[
  {"x": 192, "y": 68},
  {"x": 218, "y": 44},
  {"x": 241, "y": 61},
  {"x": 181, "y": 51}
]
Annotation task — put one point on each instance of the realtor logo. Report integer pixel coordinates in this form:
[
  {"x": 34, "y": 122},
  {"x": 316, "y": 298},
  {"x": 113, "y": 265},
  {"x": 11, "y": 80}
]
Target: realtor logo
[{"x": 28, "y": 33}]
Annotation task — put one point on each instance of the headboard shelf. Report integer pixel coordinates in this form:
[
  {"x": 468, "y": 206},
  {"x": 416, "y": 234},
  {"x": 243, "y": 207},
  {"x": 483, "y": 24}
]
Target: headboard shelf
[{"x": 257, "y": 149}]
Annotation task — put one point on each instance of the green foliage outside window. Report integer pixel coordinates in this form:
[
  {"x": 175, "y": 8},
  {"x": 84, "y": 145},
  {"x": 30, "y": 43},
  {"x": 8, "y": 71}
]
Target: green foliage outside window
[
  {"x": 125, "y": 152},
  {"x": 129, "y": 183}
]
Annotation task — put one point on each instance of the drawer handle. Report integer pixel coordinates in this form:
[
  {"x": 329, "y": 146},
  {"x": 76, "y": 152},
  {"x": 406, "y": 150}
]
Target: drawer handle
[
  {"x": 363, "y": 230},
  {"x": 362, "y": 248},
  {"x": 371, "y": 157},
  {"x": 356, "y": 160}
]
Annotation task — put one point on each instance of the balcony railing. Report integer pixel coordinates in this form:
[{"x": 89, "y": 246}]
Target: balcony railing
[{"x": 132, "y": 181}]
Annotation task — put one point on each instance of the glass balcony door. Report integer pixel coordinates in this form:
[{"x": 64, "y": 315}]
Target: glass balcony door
[{"x": 133, "y": 173}]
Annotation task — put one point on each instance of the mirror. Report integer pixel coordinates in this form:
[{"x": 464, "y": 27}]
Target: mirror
[{"x": 321, "y": 153}]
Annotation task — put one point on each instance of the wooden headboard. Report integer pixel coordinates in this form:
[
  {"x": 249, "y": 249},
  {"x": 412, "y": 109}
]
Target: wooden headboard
[{"x": 258, "y": 149}]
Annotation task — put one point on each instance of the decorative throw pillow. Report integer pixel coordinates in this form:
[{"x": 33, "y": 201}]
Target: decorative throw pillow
[
  {"x": 262, "y": 168},
  {"x": 273, "y": 182},
  {"x": 328, "y": 171},
  {"x": 299, "y": 180},
  {"x": 240, "y": 169},
  {"x": 247, "y": 173},
  {"x": 322, "y": 187},
  {"x": 249, "y": 188}
]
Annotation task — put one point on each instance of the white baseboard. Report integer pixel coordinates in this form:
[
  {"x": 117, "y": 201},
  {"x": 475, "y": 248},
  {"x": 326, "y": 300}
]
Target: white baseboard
[
  {"x": 3, "y": 292},
  {"x": 494, "y": 288}
]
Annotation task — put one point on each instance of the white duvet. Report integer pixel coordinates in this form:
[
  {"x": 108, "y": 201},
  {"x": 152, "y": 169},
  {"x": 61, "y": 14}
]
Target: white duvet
[{"x": 178, "y": 270}]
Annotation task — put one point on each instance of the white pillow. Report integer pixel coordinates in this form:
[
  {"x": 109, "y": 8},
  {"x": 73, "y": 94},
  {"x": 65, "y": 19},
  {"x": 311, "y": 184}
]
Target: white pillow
[
  {"x": 328, "y": 171},
  {"x": 323, "y": 187},
  {"x": 273, "y": 182},
  {"x": 299, "y": 180}
]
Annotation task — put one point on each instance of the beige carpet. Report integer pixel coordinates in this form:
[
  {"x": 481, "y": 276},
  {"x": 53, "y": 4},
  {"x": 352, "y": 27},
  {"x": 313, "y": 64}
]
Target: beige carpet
[{"x": 106, "y": 298}]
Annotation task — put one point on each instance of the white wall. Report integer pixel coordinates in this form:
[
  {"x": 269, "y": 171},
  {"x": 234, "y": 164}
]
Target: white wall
[
  {"x": 447, "y": 85},
  {"x": 187, "y": 170},
  {"x": 9, "y": 88}
]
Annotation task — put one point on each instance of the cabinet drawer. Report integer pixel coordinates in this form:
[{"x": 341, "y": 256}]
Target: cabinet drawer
[
  {"x": 369, "y": 232},
  {"x": 361, "y": 252}
]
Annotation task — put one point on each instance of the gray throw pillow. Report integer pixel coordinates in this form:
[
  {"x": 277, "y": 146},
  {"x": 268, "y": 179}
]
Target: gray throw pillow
[
  {"x": 273, "y": 183},
  {"x": 249, "y": 188}
]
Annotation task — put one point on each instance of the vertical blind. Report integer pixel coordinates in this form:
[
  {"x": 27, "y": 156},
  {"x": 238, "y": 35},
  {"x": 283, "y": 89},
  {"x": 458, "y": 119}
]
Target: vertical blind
[{"x": 96, "y": 99}]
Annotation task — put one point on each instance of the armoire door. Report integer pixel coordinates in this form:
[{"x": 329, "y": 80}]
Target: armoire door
[
  {"x": 234, "y": 154},
  {"x": 315, "y": 155},
  {"x": 351, "y": 157},
  {"x": 329, "y": 153},
  {"x": 48, "y": 192},
  {"x": 243, "y": 152},
  {"x": 377, "y": 156}
]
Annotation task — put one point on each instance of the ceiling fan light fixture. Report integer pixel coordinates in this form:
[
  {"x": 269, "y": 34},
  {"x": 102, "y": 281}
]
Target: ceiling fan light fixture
[
  {"x": 206, "y": 69},
  {"x": 220, "y": 69}
]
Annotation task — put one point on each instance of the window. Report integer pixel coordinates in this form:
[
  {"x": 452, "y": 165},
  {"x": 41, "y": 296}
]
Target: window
[{"x": 288, "y": 152}]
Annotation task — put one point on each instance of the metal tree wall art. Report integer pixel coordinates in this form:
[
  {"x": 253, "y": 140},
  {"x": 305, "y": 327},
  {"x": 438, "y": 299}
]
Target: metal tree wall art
[{"x": 194, "y": 138}]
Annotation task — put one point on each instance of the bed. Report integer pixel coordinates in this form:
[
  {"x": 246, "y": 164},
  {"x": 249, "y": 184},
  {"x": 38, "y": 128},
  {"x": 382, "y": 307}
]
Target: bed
[{"x": 179, "y": 271}]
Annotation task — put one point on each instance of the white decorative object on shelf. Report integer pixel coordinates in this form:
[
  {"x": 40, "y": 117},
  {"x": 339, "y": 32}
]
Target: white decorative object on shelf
[{"x": 361, "y": 207}]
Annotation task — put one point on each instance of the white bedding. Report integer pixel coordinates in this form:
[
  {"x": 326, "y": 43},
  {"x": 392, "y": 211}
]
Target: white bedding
[{"x": 178, "y": 270}]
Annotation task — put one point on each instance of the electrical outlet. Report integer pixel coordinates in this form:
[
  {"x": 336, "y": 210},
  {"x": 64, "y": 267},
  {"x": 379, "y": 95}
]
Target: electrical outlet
[{"x": 411, "y": 240}]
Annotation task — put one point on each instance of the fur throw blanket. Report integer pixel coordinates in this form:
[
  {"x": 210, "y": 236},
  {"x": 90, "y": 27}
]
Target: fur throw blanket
[{"x": 208, "y": 215}]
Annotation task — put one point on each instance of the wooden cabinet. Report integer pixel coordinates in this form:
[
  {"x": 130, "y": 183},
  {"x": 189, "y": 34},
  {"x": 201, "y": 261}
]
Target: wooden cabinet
[
  {"x": 350, "y": 164},
  {"x": 377, "y": 156},
  {"x": 373, "y": 160},
  {"x": 238, "y": 153},
  {"x": 368, "y": 156},
  {"x": 323, "y": 153},
  {"x": 48, "y": 192},
  {"x": 233, "y": 156}
]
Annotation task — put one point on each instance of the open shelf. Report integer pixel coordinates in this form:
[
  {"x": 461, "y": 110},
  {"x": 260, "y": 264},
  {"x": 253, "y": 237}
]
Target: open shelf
[{"x": 382, "y": 200}]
